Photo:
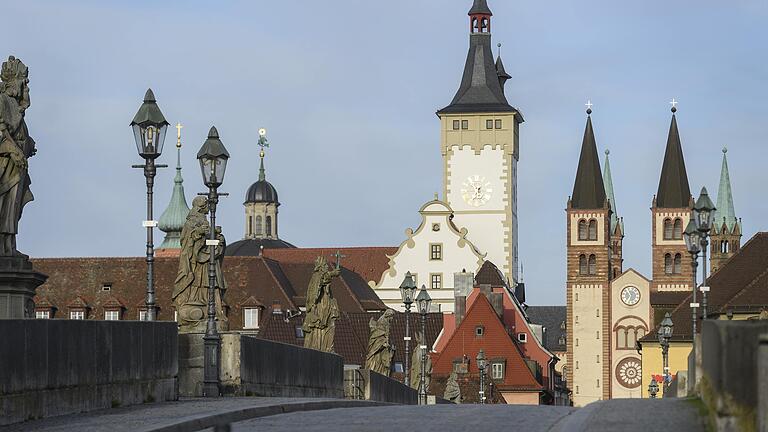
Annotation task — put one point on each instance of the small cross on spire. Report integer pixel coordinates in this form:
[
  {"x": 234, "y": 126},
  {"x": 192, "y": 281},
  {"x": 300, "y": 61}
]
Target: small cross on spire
[
  {"x": 674, "y": 105},
  {"x": 589, "y": 106},
  {"x": 338, "y": 257}
]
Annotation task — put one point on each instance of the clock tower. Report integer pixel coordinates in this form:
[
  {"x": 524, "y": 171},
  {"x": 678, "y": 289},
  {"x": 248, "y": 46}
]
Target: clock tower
[{"x": 479, "y": 134}]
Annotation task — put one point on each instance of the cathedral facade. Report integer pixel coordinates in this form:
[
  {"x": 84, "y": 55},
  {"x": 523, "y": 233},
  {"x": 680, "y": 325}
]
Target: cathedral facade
[{"x": 609, "y": 308}]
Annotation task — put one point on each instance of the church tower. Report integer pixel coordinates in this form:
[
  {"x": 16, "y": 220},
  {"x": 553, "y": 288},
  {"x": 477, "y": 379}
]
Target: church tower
[
  {"x": 726, "y": 229},
  {"x": 588, "y": 278},
  {"x": 479, "y": 137},
  {"x": 670, "y": 213},
  {"x": 261, "y": 202},
  {"x": 617, "y": 224}
]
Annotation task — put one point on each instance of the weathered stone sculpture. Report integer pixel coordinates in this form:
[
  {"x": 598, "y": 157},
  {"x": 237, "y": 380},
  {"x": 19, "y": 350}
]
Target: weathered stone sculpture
[
  {"x": 322, "y": 310},
  {"x": 16, "y": 146},
  {"x": 380, "y": 351},
  {"x": 416, "y": 365},
  {"x": 190, "y": 293},
  {"x": 18, "y": 281},
  {"x": 452, "y": 389}
]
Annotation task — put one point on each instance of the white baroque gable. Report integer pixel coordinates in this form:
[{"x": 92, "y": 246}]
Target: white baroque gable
[{"x": 414, "y": 255}]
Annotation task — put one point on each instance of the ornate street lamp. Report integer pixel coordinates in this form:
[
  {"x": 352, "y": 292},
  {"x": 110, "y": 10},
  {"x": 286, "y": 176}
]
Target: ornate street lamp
[
  {"x": 481, "y": 367},
  {"x": 703, "y": 211},
  {"x": 664, "y": 334},
  {"x": 423, "y": 301},
  {"x": 653, "y": 388},
  {"x": 407, "y": 292},
  {"x": 149, "y": 128},
  {"x": 692, "y": 237},
  {"x": 213, "y": 157}
]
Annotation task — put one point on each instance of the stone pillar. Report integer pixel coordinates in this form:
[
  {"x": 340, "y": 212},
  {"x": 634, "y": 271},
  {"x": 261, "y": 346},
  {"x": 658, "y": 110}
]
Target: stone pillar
[
  {"x": 18, "y": 282},
  {"x": 762, "y": 384}
]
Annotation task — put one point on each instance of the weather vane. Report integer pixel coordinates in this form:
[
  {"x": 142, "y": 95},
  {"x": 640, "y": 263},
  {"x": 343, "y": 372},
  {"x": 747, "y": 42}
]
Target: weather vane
[
  {"x": 263, "y": 143},
  {"x": 178, "y": 135}
]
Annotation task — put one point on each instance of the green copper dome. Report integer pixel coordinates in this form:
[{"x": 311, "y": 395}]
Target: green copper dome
[{"x": 174, "y": 216}]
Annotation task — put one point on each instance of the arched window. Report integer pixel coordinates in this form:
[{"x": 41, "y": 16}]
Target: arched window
[
  {"x": 667, "y": 229},
  {"x": 583, "y": 230},
  {"x": 668, "y": 264},
  {"x": 592, "y": 229},
  {"x": 583, "y": 265},
  {"x": 631, "y": 337},
  {"x": 678, "y": 264},
  {"x": 678, "y": 229},
  {"x": 640, "y": 333},
  {"x": 592, "y": 265},
  {"x": 724, "y": 246},
  {"x": 269, "y": 226},
  {"x": 257, "y": 228}
]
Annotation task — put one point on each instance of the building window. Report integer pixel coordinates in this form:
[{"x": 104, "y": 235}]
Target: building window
[
  {"x": 257, "y": 228},
  {"x": 678, "y": 264},
  {"x": 77, "y": 315},
  {"x": 479, "y": 331},
  {"x": 597, "y": 358},
  {"x": 497, "y": 370},
  {"x": 583, "y": 269},
  {"x": 460, "y": 367},
  {"x": 106, "y": 287},
  {"x": 299, "y": 331},
  {"x": 678, "y": 229},
  {"x": 577, "y": 389},
  {"x": 143, "y": 315},
  {"x": 577, "y": 341},
  {"x": 436, "y": 252},
  {"x": 597, "y": 313},
  {"x": 43, "y": 314},
  {"x": 498, "y": 124},
  {"x": 621, "y": 338},
  {"x": 112, "y": 315},
  {"x": 465, "y": 124},
  {"x": 489, "y": 124},
  {"x": 561, "y": 341},
  {"x": 437, "y": 281},
  {"x": 597, "y": 334},
  {"x": 576, "y": 319},
  {"x": 577, "y": 299},
  {"x": 577, "y": 364},
  {"x": 269, "y": 226},
  {"x": 667, "y": 229},
  {"x": 598, "y": 383},
  {"x": 455, "y": 125},
  {"x": 592, "y": 265},
  {"x": 668, "y": 269},
  {"x": 251, "y": 318},
  {"x": 398, "y": 367},
  {"x": 592, "y": 229},
  {"x": 583, "y": 235},
  {"x": 250, "y": 225},
  {"x": 522, "y": 337}
]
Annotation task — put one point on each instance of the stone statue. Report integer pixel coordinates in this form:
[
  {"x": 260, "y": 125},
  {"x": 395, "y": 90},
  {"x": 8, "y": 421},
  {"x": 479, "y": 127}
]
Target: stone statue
[
  {"x": 452, "y": 389},
  {"x": 190, "y": 293},
  {"x": 380, "y": 351},
  {"x": 322, "y": 310},
  {"x": 16, "y": 146},
  {"x": 416, "y": 365}
]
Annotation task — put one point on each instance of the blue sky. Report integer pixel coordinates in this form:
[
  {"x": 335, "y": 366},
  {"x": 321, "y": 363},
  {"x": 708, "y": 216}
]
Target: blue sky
[{"x": 348, "y": 92}]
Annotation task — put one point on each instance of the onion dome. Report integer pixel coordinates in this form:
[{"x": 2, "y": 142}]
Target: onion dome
[
  {"x": 172, "y": 220},
  {"x": 262, "y": 191}
]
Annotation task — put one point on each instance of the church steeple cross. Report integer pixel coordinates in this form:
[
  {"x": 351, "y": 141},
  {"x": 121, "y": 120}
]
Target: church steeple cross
[{"x": 338, "y": 255}]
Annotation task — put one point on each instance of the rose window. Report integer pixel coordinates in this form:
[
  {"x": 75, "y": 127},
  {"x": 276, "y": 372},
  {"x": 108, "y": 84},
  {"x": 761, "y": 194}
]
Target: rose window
[{"x": 628, "y": 372}]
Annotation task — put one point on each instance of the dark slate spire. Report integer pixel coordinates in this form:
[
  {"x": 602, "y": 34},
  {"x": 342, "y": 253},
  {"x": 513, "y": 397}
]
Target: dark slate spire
[
  {"x": 501, "y": 72},
  {"x": 480, "y": 7},
  {"x": 674, "y": 191},
  {"x": 589, "y": 190},
  {"x": 480, "y": 89}
]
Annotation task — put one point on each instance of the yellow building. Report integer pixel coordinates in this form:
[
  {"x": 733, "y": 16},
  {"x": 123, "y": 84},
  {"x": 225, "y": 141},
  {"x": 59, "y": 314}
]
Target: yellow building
[{"x": 653, "y": 365}]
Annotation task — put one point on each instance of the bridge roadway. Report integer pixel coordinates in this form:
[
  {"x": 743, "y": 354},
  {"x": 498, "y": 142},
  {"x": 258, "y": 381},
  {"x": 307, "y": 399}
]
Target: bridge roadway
[{"x": 309, "y": 415}]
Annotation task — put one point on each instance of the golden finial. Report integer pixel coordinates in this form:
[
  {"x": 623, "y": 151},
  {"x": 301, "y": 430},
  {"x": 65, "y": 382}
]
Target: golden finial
[{"x": 178, "y": 135}]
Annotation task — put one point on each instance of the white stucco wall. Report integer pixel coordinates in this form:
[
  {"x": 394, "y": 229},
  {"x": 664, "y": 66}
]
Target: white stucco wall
[
  {"x": 624, "y": 315},
  {"x": 587, "y": 385}
]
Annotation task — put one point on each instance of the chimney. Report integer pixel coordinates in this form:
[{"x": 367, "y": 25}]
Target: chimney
[
  {"x": 462, "y": 283},
  {"x": 497, "y": 301},
  {"x": 461, "y": 309},
  {"x": 486, "y": 290}
]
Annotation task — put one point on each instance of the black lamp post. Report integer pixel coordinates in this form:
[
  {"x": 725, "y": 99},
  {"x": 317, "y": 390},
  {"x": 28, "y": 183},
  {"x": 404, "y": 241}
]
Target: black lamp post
[
  {"x": 664, "y": 334},
  {"x": 213, "y": 158},
  {"x": 149, "y": 128},
  {"x": 653, "y": 388},
  {"x": 693, "y": 244},
  {"x": 702, "y": 212},
  {"x": 407, "y": 292},
  {"x": 423, "y": 301},
  {"x": 481, "y": 367}
]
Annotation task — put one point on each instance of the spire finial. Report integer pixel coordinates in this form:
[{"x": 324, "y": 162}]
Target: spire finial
[
  {"x": 263, "y": 143},
  {"x": 437, "y": 198},
  {"x": 178, "y": 148},
  {"x": 674, "y": 105},
  {"x": 607, "y": 152},
  {"x": 498, "y": 45},
  {"x": 725, "y": 149},
  {"x": 589, "y": 107}
]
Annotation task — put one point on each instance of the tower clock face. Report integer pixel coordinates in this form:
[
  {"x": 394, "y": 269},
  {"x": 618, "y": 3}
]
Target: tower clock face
[
  {"x": 476, "y": 191},
  {"x": 630, "y": 295}
]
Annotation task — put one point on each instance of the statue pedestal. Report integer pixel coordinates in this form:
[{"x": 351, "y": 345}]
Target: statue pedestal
[{"x": 18, "y": 282}]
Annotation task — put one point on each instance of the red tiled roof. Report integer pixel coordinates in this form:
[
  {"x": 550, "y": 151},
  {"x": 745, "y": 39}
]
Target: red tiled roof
[
  {"x": 489, "y": 274},
  {"x": 369, "y": 262}
]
